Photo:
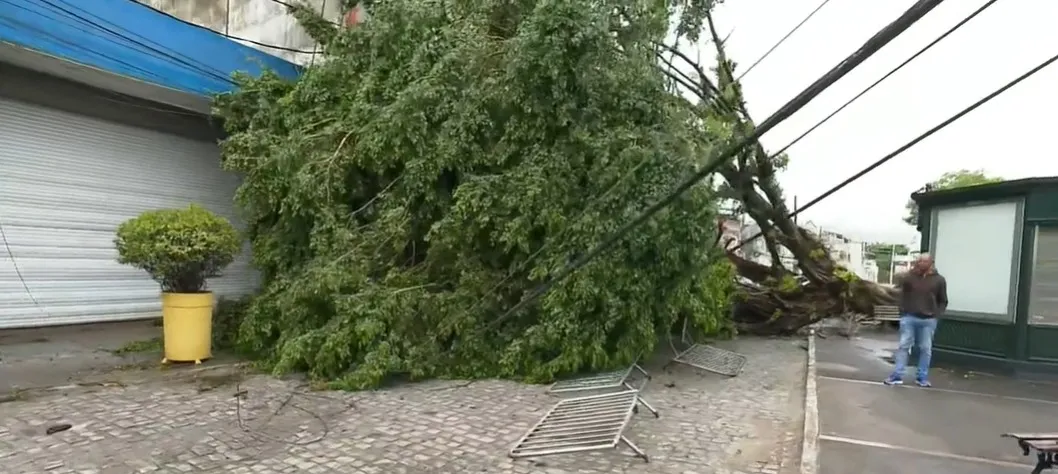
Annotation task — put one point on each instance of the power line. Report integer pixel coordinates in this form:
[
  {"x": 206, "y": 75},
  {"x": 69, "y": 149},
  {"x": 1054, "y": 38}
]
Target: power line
[
  {"x": 783, "y": 39},
  {"x": 66, "y": 14},
  {"x": 883, "y": 78},
  {"x": 525, "y": 263},
  {"x": 868, "y": 49},
  {"x": 292, "y": 6},
  {"x": 315, "y": 44},
  {"x": 165, "y": 52},
  {"x": 225, "y": 33},
  {"x": 914, "y": 142},
  {"x": 105, "y": 94},
  {"x": 51, "y": 37},
  {"x": 188, "y": 62}
]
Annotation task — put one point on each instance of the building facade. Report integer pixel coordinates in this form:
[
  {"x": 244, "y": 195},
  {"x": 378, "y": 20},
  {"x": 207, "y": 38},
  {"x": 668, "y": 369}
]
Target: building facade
[
  {"x": 997, "y": 246},
  {"x": 104, "y": 114},
  {"x": 265, "y": 25}
]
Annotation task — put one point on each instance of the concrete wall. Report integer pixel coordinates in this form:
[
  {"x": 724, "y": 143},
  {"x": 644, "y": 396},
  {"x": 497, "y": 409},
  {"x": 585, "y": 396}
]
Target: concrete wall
[{"x": 263, "y": 21}]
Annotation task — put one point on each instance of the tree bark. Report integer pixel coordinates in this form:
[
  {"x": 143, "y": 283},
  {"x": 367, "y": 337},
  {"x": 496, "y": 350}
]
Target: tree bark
[{"x": 773, "y": 299}]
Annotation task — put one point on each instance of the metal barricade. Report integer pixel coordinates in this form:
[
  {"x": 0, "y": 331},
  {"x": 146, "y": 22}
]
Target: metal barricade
[{"x": 581, "y": 424}]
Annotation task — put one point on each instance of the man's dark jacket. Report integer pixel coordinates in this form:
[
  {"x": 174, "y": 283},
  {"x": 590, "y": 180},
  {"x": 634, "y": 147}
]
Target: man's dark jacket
[{"x": 925, "y": 296}]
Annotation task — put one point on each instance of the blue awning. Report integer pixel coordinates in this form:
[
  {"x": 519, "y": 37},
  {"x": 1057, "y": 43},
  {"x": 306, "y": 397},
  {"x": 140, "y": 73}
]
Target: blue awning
[{"x": 127, "y": 38}]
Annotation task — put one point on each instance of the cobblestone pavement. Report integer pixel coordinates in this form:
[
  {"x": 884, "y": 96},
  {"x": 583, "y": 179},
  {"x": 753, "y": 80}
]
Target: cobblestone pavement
[{"x": 709, "y": 424}]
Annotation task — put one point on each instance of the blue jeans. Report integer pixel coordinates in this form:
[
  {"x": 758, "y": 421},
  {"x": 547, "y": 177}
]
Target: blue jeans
[{"x": 917, "y": 331}]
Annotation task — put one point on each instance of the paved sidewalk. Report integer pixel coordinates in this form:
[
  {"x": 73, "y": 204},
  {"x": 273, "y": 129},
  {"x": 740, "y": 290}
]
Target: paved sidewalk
[
  {"x": 33, "y": 358},
  {"x": 708, "y": 424}
]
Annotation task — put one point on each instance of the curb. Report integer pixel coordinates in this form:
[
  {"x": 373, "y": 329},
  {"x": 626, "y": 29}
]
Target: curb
[
  {"x": 179, "y": 375},
  {"x": 810, "y": 446}
]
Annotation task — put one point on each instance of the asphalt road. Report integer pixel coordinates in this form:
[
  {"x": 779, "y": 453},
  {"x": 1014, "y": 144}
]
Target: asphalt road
[
  {"x": 843, "y": 458},
  {"x": 953, "y": 428}
]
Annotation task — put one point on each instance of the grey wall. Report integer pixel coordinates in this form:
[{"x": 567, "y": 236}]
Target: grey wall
[{"x": 33, "y": 87}]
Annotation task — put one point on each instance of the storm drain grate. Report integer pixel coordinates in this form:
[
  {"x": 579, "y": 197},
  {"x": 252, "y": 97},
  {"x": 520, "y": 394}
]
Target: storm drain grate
[
  {"x": 713, "y": 359},
  {"x": 582, "y": 424}
]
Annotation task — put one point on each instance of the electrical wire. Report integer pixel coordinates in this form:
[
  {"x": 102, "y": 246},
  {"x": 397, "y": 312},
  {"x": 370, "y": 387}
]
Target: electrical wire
[
  {"x": 18, "y": 270},
  {"x": 187, "y": 62},
  {"x": 105, "y": 94},
  {"x": 868, "y": 49},
  {"x": 912, "y": 143},
  {"x": 225, "y": 33},
  {"x": 296, "y": 391},
  {"x": 292, "y": 6},
  {"x": 4, "y": 239},
  {"x": 160, "y": 51},
  {"x": 783, "y": 39},
  {"x": 315, "y": 45},
  {"x": 886, "y": 76},
  {"x": 547, "y": 244},
  {"x": 50, "y": 37},
  {"x": 119, "y": 98}
]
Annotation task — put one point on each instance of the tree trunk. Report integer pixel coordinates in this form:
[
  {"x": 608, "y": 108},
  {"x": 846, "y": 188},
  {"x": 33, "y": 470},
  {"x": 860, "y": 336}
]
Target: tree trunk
[{"x": 773, "y": 299}]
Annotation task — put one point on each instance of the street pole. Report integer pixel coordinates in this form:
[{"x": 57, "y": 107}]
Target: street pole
[{"x": 892, "y": 262}]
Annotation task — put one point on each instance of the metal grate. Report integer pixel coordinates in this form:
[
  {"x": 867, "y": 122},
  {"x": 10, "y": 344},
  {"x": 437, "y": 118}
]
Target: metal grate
[
  {"x": 606, "y": 381},
  {"x": 603, "y": 381},
  {"x": 713, "y": 359},
  {"x": 581, "y": 424}
]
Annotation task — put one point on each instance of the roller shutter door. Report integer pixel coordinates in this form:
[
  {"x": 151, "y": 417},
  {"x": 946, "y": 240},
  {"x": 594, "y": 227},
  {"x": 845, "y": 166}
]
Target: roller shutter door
[{"x": 66, "y": 182}]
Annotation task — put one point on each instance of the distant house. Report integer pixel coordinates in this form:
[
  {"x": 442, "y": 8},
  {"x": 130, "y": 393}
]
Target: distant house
[{"x": 845, "y": 251}]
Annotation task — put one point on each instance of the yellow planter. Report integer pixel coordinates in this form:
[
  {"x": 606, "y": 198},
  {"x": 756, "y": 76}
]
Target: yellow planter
[{"x": 187, "y": 325}]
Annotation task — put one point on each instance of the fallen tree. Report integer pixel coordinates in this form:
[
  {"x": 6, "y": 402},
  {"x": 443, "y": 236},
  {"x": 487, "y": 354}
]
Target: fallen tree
[
  {"x": 773, "y": 299},
  {"x": 444, "y": 159}
]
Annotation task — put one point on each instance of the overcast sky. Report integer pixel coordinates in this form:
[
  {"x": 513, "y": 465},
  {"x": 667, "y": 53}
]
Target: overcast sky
[{"x": 1009, "y": 137}]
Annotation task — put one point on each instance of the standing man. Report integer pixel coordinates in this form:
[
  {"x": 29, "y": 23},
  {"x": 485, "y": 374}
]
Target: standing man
[{"x": 923, "y": 299}]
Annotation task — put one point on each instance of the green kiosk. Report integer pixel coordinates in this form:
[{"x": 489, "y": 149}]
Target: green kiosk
[{"x": 997, "y": 246}]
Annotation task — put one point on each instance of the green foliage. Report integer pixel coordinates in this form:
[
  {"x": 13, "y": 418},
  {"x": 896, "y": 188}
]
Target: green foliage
[
  {"x": 950, "y": 180},
  {"x": 710, "y": 308},
  {"x": 179, "y": 248},
  {"x": 227, "y": 317},
  {"x": 444, "y": 160},
  {"x": 789, "y": 284},
  {"x": 845, "y": 275}
]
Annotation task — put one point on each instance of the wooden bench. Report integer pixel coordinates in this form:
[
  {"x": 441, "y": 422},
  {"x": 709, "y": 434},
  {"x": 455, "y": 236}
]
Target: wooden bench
[
  {"x": 1044, "y": 444},
  {"x": 886, "y": 313}
]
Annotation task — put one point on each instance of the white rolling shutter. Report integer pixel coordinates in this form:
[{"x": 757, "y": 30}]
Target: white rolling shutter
[{"x": 66, "y": 182}]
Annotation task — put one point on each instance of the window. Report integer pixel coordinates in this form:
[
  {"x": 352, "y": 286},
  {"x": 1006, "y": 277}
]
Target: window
[
  {"x": 1043, "y": 295},
  {"x": 975, "y": 248}
]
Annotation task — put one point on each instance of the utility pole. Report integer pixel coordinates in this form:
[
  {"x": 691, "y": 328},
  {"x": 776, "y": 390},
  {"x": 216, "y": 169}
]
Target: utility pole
[{"x": 892, "y": 262}]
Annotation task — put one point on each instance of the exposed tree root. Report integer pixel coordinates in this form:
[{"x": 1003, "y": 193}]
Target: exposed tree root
[{"x": 767, "y": 306}]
